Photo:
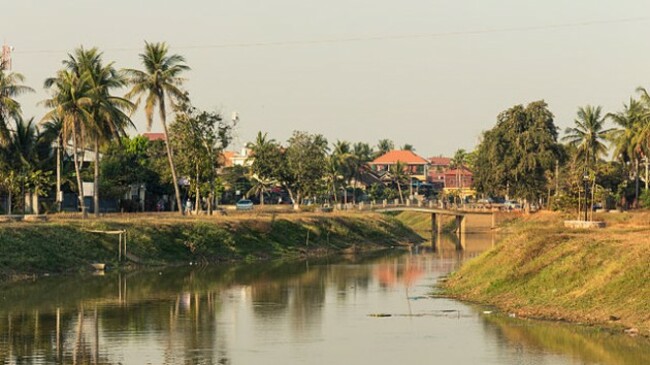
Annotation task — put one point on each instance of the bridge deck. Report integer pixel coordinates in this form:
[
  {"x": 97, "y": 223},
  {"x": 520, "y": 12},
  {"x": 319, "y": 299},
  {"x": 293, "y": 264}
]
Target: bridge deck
[{"x": 433, "y": 210}]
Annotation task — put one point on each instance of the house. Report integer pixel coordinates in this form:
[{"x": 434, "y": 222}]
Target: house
[
  {"x": 154, "y": 136},
  {"x": 437, "y": 168},
  {"x": 237, "y": 158},
  {"x": 459, "y": 181},
  {"x": 415, "y": 166}
]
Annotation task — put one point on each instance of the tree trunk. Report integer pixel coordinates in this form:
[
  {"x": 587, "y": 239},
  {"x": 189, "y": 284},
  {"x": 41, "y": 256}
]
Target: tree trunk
[
  {"x": 80, "y": 186},
  {"x": 170, "y": 155},
  {"x": 9, "y": 202},
  {"x": 636, "y": 182},
  {"x": 399, "y": 189},
  {"x": 262, "y": 196},
  {"x": 197, "y": 201},
  {"x": 96, "y": 190},
  {"x": 58, "y": 174}
]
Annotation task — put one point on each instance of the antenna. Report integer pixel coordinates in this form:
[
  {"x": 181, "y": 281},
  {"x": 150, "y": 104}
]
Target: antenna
[{"x": 5, "y": 58}]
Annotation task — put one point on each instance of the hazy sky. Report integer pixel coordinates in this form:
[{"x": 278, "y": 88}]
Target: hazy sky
[{"x": 430, "y": 73}]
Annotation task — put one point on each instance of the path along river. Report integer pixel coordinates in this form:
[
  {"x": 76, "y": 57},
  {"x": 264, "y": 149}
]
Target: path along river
[{"x": 349, "y": 310}]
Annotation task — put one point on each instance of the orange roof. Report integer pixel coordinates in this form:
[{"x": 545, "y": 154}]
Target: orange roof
[
  {"x": 154, "y": 136},
  {"x": 403, "y": 156}
]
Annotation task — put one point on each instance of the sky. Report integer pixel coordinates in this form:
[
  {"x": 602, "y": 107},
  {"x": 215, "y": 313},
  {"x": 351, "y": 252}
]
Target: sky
[{"x": 431, "y": 73}]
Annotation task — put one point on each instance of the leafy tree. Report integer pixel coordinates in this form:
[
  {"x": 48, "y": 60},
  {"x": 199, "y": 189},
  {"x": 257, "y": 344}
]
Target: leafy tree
[
  {"x": 514, "y": 156},
  {"x": 159, "y": 81},
  {"x": 304, "y": 161},
  {"x": 408, "y": 147},
  {"x": 201, "y": 136}
]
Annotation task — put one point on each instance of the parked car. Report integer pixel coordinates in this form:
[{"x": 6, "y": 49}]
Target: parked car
[
  {"x": 512, "y": 205},
  {"x": 244, "y": 204}
]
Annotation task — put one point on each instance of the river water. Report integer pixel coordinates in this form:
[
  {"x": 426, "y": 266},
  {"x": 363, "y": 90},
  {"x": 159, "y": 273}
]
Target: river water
[{"x": 348, "y": 310}]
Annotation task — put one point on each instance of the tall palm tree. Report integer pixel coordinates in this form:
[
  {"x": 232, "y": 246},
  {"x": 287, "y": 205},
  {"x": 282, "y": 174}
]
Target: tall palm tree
[
  {"x": 10, "y": 87},
  {"x": 589, "y": 136},
  {"x": 458, "y": 162},
  {"x": 71, "y": 102},
  {"x": 160, "y": 81},
  {"x": 344, "y": 161},
  {"x": 628, "y": 139},
  {"x": 384, "y": 146},
  {"x": 109, "y": 118},
  {"x": 52, "y": 131},
  {"x": 399, "y": 176}
]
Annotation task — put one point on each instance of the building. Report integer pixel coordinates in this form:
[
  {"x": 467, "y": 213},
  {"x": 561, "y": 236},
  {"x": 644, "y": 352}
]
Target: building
[
  {"x": 154, "y": 136},
  {"x": 437, "y": 168},
  {"x": 415, "y": 166},
  {"x": 237, "y": 158},
  {"x": 459, "y": 181}
]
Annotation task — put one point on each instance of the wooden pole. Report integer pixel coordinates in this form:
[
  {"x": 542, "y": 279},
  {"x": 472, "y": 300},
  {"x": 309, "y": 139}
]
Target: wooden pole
[{"x": 119, "y": 255}]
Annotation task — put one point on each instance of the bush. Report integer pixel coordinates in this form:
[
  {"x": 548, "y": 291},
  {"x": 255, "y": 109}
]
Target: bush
[{"x": 644, "y": 199}]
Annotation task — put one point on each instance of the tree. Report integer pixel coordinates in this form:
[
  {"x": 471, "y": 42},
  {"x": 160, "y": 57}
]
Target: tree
[
  {"x": 108, "y": 118},
  {"x": 629, "y": 139},
  {"x": 71, "y": 102},
  {"x": 384, "y": 146},
  {"x": 202, "y": 136},
  {"x": 408, "y": 147},
  {"x": 513, "y": 157},
  {"x": 343, "y": 160},
  {"x": 399, "y": 177},
  {"x": 159, "y": 81},
  {"x": 303, "y": 167},
  {"x": 10, "y": 87},
  {"x": 588, "y": 136},
  {"x": 458, "y": 162}
]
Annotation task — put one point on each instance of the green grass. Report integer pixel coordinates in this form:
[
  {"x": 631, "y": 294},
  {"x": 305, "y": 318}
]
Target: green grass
[
  {"x": 66, "y": 245},
  {"x": 542, "y": 270}
]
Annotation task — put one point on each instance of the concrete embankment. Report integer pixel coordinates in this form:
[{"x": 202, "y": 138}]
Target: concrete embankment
[
  {"x": 540, "y": 269},
  {"x": 68, "y": 244}
]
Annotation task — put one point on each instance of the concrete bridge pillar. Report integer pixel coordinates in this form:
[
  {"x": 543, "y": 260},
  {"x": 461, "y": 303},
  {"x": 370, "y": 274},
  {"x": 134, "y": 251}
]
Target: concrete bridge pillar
[
  {"x": 460, "y": 224},
  {"x": 396, "y": 201},
  {"x": 384, "y": 203},
  {"x": 434, "y": 223}
]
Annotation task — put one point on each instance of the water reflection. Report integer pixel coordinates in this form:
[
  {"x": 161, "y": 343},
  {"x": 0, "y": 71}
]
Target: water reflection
[{"x": 307, "y": 312}]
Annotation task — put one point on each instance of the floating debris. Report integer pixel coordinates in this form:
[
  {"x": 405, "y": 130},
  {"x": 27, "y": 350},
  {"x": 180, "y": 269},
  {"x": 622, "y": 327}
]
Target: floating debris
[{"x": 380, "y": 315}]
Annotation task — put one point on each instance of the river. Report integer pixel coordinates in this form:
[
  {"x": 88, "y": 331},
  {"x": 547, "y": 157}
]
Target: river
[{"x": 375, "y": 309}]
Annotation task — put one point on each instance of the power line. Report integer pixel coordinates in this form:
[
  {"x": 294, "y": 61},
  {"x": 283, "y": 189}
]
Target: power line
[{"x": 374, "y": 38}]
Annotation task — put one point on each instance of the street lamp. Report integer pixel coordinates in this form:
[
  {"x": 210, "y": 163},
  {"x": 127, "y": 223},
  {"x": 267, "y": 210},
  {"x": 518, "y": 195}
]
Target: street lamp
[{"x": 585, "y": 178}]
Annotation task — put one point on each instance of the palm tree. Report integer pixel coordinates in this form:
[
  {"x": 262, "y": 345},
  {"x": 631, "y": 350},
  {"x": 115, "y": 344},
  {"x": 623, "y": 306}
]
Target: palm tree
[
  {"x": 588, "y": 136},
  {"x": 10, "y": 87},
  {"x": 159, "y": 80},
  {"x": 52, "y": 131},
  {"x": 628, "y": 139},
  {"x": 399, "y": 176},
  {"x": 108, "y": 113},
  {"x": 458, "y": 162},
  {"x": 343, "y": 157},
  {"x": 384, "y": 146},
  {"x": 71, "y": 102}
]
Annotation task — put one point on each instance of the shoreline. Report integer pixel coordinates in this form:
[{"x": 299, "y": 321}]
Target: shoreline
[{"x": 542, "y": 271}]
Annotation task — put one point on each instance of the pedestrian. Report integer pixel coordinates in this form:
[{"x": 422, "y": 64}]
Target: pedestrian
[{"x": 188, "y": 206}]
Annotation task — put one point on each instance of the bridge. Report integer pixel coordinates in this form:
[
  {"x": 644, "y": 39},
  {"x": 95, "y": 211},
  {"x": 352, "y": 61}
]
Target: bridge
[{"x": 436, "y": 223}]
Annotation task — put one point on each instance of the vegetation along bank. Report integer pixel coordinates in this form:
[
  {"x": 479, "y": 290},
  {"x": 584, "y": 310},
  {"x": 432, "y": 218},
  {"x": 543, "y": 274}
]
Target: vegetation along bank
[
  {"x": 68, "y": 245},
  {"x": 542, "y": 270}
]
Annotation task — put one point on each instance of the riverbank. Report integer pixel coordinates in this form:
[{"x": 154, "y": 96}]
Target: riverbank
[
  {"x": 65, "y": 244},
  {"x": 542, "y": 270}
]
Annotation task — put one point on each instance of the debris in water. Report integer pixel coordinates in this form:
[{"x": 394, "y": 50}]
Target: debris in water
[{"x": 380, "y": 315}]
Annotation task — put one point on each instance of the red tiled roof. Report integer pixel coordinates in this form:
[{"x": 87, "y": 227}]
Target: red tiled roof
[
  {"x": 154, "y": 136},
  {"x": 454, "y": 172},
  {"x": 403, "y": 156},
  {"x": 440, "y": 161}
]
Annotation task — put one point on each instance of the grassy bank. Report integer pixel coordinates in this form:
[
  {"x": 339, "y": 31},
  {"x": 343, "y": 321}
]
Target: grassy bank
[
  {"x": 64, "y": 245},
  {"x": 542, "y": 270}
]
